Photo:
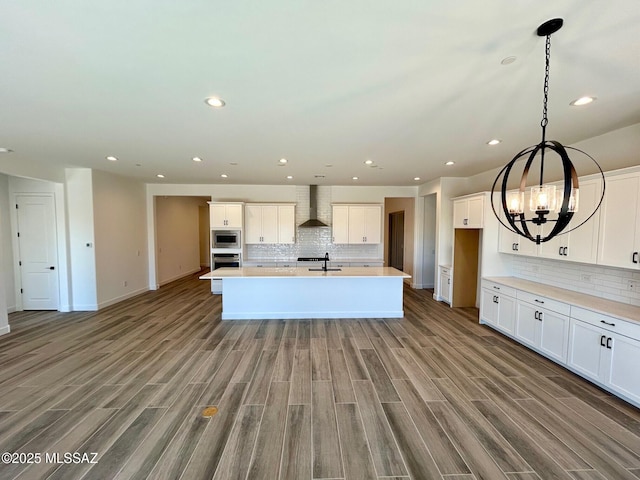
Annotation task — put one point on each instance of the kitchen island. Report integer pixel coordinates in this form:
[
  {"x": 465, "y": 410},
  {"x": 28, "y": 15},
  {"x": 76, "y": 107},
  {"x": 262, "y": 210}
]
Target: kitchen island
[{"x": 298, "y": 292}]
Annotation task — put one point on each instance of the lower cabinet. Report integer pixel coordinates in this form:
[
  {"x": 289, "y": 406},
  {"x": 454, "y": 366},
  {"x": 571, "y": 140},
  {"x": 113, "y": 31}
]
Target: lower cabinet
[
  {"x": 444, "y": 284},
  {"x": 543, "y": 329},
  {"x": 605, "y": 356},
  {"x": 498, "y": 306},
  {"x": 600, "y": 348}
]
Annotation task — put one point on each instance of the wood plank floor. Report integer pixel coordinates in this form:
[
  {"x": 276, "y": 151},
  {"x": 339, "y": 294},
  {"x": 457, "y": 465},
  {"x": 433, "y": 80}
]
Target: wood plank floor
[{"x": 434, "y": 395}]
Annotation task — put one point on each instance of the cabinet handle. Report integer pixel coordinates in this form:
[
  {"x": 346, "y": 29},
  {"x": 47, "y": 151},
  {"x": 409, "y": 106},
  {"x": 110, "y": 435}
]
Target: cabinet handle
[
  {"x": 540, "y": 315},
  {"x": 448, "y": 281},
  {"x": 535, "y": 315},
  {"x": 602, "y": 341},
  {"x": 464, "y": 222},
  {"x": 609, "y": 343},
  {"x": 539, "y": 301},
  {"x": 607, "y": 323},
  {"x": 513, "y": 247},
  {"x": 560, "y": 251},
  {"x": 517, "y": 247},
  {"x": 564, "y": 251},
  {"x": 634, "y": 259}
]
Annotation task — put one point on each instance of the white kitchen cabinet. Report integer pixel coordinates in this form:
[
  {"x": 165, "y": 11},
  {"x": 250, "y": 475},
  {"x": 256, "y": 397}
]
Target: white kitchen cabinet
[
  {"x": 269, "y": 224},
  {"x": 510, "y": 242},
  {"x": 543, "y": 329},
  {"x": 225, "y": 215},
  {"x": 600, "y": 353},
  {"x": 357, "y": 224},
  {"x": 619, "y": 241},
  {"x": 445, "y": 280},
  {"x": 366, "y": 264},
  {"x": 580, "y": 245},
  {"x": 498, "y": 306},
  {"x": 468, "y": 212}
]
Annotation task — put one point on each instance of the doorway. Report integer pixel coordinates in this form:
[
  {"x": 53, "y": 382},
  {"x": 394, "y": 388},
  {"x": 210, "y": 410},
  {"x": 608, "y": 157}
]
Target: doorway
[
  {"x": 37, "y": 251},
  {"x": 396, "y": 240}
]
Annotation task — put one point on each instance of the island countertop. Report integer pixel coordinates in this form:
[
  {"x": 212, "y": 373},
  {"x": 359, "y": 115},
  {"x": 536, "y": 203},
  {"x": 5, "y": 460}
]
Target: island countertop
[{"x": 302, "y": 272}]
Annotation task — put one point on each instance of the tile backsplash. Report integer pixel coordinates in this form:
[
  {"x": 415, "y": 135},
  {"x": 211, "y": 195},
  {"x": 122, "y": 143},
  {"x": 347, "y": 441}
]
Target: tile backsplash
[
  {"x": 615, "y": 284},
  {"x": 315, "y": 241}
]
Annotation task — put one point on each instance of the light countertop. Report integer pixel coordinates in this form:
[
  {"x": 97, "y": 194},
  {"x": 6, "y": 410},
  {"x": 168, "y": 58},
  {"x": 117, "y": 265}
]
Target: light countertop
[
  {"x": 619, "y": 310},
  {"x": 300, "y": 272}
]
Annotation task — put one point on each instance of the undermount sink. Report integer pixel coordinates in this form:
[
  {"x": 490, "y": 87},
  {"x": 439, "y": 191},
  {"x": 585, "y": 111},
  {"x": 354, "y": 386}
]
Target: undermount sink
[{"x": 325, "y": 270}]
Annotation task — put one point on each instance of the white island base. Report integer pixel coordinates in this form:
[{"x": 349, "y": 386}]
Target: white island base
[{"x": 286, "y": 293}]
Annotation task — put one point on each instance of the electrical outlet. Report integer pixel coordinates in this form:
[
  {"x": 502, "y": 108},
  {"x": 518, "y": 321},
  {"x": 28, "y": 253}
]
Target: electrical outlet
[
  {"x": 631, "y": 285},
  {"x": 586, "y": 278}
]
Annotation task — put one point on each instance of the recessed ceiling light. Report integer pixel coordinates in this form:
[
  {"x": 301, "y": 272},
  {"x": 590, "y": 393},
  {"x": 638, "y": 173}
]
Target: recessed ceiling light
[
  {"x": 495, "y": 141},
  {"x": 354, "y": 178},
  {"x": 450, "y": 163},
  {"x": 508, "y": 60},
  {"x": 368, "y": 162},
  {"x": 328, "y": 165},
  {"x": 582, "y": 101},
  {"x": 214, "y": 102},
  {"x": 224, "y": 175},
  {"x": 289, "y": 177},
  {"x": 416, "y": 178},
  {"x": 5, "y": 150},
  {"x": 283, "y": 161},
  {"x": 111, "y": 158},
  {"x": 233, "y": 163},
  {"x": 196, "y": 159},
  {"x": 160, "y": 175}
]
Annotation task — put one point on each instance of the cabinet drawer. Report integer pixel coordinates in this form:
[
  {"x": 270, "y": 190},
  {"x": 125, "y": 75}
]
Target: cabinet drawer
[
  {"x": 623, "y": 327},
  {"x": 544, "y": 302},
  {"x": 445, "y": 271},
  {"x": 499, "y": 289},
  {"x": 287, "y": 264}
]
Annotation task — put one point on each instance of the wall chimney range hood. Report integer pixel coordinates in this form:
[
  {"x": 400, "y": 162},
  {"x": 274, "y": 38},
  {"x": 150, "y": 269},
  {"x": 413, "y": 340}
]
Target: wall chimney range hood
[{"x": 313, "y": 210}]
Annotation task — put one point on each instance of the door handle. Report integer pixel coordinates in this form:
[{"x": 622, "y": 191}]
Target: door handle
[
  {"x": 602, "y": 341},
  {"x": 52, "y": 268},
  {"x": 609, "y": 342}
]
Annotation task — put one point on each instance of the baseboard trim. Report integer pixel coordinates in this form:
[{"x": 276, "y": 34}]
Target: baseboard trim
[
  {"x": 178, "y": 277},
  {"x": 126, "y": 296},
  {"x": 4, "y": 330}
]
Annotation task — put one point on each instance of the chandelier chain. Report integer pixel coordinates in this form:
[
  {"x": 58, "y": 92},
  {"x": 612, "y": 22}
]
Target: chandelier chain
[{"x": 545, "y": 120}]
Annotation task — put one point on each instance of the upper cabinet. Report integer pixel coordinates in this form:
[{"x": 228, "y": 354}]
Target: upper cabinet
[
  {"x": 225, "y": 215},
  {"x": 270, "y": 223},
  {"x": 468, "y": 212},
  {"x": 357, "y": 224},
  {"x": 619, "y": 242}
]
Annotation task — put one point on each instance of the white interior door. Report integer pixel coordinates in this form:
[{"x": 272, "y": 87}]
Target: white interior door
[{"x": 37, "y": 244}]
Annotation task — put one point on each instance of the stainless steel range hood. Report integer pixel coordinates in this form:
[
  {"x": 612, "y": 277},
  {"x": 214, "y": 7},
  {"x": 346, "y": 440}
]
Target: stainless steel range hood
[{"x": 313, "y": 210}]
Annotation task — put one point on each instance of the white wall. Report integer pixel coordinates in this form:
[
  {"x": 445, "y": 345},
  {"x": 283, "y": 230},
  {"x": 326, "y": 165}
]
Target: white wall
[
  {"x": 429, "y": 242},
  {"x": 81, "y": 238},
  {"x": 120, "y": 232},
  {"x": 177, "y": 236},
  {"x": 6, "y": 250},
  {"x": 203, "y": 217}
]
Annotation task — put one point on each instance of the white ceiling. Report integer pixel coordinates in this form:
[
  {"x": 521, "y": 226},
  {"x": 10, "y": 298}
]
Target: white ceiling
[{"x": 407, "y": 84}]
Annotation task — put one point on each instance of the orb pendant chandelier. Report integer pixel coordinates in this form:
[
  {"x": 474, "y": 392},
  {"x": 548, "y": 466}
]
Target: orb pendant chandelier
[{"x": 545, "y": 199}]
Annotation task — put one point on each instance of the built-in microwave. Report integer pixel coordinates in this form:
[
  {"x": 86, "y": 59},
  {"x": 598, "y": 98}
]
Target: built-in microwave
[{"x": 226, "y": 239}]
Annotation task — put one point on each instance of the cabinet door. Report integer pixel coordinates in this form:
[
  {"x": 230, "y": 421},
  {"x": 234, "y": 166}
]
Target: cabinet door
[
  {"x": 253, "y": 232},
  {"x": 217, "y": 216},
  {"x": 340, "y": 227},
  {"x": 460, "y": 213},
  {"x": 585, "y": 348},
  {"x": 619, "y": 221},
  {"x": 269, "y": 224},
  {"x": 475, "y": 211},
  {"x": 372, "y": 224},
  {"x": 445, "y": 288},
  {"x": 623, "y": 373},
  {"x": 488, "y": 307},
  {"x": 506, "y": 313},
  {"x": 286, "y": 224},
  {"x": 554, "y": 334},
  {"x": 527, "y": 327},
  {"x": 234, "y": 216},
  {"x": 356, "y": 224}
]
